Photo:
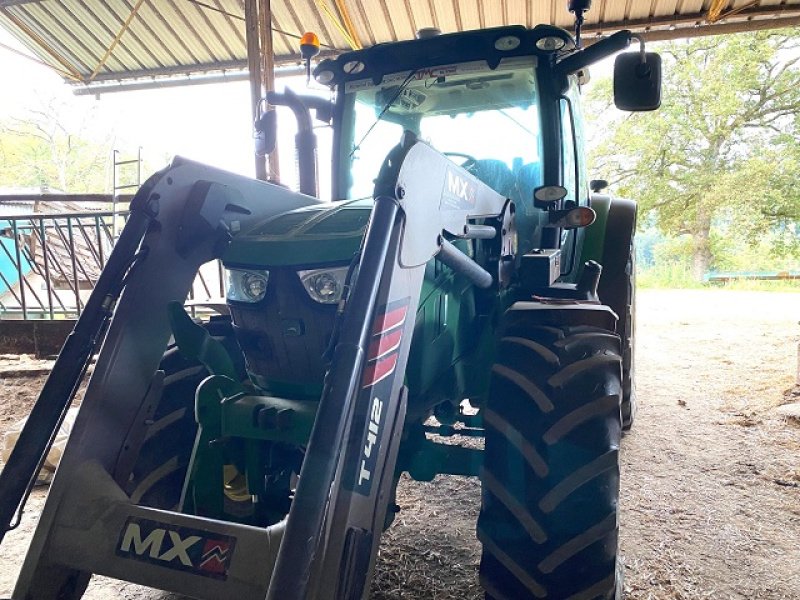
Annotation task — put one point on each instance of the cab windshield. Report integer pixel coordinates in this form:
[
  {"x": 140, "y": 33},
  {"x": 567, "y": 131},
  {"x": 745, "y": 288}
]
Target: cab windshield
[{"x": 486, "y": 120}]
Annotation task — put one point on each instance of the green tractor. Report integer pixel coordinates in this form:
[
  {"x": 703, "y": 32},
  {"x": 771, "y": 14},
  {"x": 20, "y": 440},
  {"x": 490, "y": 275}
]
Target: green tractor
[{"x": 466, "y": 286}]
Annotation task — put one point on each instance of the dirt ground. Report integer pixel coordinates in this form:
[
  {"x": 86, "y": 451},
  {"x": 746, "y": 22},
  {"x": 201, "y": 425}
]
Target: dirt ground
[{"x": 710, "y": 506}]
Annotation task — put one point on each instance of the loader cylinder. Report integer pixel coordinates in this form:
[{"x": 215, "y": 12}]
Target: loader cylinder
[{"x": 461, "y": 263}]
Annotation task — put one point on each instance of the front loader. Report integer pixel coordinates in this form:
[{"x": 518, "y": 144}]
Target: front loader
[{"x": 453, "y": 293}]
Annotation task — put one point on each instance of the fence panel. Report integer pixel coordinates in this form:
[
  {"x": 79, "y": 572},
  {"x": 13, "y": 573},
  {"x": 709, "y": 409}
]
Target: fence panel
[{"x": 50, "y": 262}]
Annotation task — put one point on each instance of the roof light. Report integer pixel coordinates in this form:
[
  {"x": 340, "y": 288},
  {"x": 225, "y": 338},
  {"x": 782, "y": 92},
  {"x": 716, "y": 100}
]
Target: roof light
[
  {"x": 309, "y": 45},
  {"x": 551, "y": 43},
  {"x": 428, "y": 32},
  {"x": 507, "y": 43},
  {"x": 324, "y": 77},
  {"x": 353, "y": 67}
]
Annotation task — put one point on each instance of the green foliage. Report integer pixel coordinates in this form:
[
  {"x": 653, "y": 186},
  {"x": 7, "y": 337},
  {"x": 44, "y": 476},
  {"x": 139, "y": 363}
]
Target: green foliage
[
  {"x": 668, "y": 261},
  {"x": 667, "y": 277},
  {"x": 680, "y": 277},
  {"x": 48, "y": 148},
  {"x": 719, "y": 161},
  {"x": 668, "y": 265},
  {"x": 760, "y": 286}
]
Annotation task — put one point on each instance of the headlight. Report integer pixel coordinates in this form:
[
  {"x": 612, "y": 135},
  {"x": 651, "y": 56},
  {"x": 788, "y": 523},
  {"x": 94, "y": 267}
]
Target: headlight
[
  {"x": 324, "y": 285},
  {"x": 246, "y": 286}
]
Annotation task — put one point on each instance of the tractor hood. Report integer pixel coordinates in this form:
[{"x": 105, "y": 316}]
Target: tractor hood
[{"x": 313, "y": 235}]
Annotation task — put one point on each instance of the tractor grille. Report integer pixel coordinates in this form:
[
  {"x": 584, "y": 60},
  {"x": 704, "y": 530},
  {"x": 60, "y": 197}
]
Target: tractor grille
[{"x": 284, "y": 336}]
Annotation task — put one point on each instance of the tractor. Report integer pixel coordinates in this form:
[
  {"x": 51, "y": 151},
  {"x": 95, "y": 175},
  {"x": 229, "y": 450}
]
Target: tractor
[{"x": 465, "y": 284}]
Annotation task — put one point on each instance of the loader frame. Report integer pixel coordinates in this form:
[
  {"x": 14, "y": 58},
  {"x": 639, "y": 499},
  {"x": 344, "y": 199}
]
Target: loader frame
[{"x": 327, "y": 546}]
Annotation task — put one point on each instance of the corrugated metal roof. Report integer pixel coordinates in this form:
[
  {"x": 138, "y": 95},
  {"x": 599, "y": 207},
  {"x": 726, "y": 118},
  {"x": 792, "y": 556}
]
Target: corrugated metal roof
[{"x": 92, "y": 41}]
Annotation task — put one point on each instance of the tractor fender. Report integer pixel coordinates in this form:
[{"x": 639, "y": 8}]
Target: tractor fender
[
  {"x": 608, "y": 240},
  {"x": 557, "y": 314},
  {"x": 617, "y": 286}
]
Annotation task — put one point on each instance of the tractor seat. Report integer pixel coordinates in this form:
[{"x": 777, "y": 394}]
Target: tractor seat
[
  {"x": 528, "y": 178},
  {"x": 494, "y": 173}
]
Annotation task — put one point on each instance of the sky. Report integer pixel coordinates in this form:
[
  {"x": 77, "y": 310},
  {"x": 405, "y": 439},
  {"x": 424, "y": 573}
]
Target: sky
[{"x": 209, "y": 123}]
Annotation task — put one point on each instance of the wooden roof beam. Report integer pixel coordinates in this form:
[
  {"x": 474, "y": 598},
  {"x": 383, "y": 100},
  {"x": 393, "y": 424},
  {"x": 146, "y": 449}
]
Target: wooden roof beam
[
  {"x": 774, "y": 13},
  {"x": 7, "y": 3},
  {"x": 655, "y": 35}
]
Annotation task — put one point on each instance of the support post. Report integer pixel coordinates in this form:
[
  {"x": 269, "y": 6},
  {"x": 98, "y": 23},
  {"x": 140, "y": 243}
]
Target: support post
[
  {"x": 254, "y": 67},
  {"x": 268, "y": 69}
]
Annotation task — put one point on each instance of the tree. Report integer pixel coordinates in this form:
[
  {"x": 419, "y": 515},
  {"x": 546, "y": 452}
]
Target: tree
[
  {"x": 724, "y": 145},
  {"x": 47, "y": 147}
]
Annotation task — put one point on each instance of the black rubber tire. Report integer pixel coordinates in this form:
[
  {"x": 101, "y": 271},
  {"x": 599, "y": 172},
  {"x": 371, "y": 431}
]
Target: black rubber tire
[
  {"x": 550, "y": 480},
  {"x": 158, "y": 475},
  {"x": 617, "y": 289},
  {"x": 620, "y": 295},
  {"x": 628, "y": 337}
]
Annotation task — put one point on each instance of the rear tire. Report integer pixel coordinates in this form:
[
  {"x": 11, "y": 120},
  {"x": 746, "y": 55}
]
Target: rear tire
[
  {"x": 617, "y": 289},
  {"x": 628, "y": 336},
  {"x": 620, "y": 295},
  {"x": 158, "y": 475},
  {"x": 548, "y": 520}
]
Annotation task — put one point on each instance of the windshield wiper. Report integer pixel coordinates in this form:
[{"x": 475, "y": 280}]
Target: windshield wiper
[
  {"x": 388, "y": 105},
  {"x": 515, "y": 121}
]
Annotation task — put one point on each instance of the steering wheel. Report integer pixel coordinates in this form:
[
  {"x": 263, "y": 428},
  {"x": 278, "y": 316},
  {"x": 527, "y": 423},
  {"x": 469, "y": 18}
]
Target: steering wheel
[{"x": 469, "y": 160}]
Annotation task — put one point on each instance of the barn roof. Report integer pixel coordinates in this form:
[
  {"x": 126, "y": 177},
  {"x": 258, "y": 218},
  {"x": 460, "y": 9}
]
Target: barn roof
[{"x": 94, "y": 41}]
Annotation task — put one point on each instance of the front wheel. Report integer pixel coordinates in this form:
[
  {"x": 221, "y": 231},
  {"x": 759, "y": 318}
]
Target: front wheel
[
  {"x": 548, "y": 521},
  {"x": 159, "y": 472}
]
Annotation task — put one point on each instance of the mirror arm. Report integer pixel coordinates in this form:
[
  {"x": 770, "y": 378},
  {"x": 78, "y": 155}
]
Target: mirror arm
[
  {"x": 597, "y": 51},
  {"x": 640, "y": 39}
]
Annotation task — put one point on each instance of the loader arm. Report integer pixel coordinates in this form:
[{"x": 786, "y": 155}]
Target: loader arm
[
  {"x": 338, "y": 512},
  {"x": 191, "y": 212}
]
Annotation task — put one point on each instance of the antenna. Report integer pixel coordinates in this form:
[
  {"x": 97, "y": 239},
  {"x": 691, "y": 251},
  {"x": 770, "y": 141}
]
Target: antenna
[{"x": 578, "y": 7}]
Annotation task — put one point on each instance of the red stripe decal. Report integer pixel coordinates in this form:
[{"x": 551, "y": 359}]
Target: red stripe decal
[
  {"x": 385, "y": 343},
  {"x": 379, "y": 370},
  {"x": 389, "y": 320}
]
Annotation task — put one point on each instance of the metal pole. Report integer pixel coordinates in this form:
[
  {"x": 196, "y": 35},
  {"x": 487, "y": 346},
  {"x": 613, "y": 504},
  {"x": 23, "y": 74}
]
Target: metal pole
[
  {"x": 268, "y": 69},
  {"x": 47, "y": 279},
  {"x": 114, "y": 194},
  {"x": 74, "y": 260},
  {"x": 18, "y": 255},
  {"x": 254, "y": 66}
]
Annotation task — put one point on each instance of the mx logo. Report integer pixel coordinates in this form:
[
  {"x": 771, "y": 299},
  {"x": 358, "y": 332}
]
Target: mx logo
[
  {"x": 201, "y": 552},
  {"x": 461, "y": 189}
]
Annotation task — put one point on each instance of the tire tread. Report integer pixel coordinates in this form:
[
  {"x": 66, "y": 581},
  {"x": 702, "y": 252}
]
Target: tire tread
[{"x": 571, "y": 490}]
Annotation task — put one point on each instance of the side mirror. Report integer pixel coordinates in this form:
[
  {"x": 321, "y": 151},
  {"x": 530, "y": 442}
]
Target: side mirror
[
  {"x": 266, "y": 132},
  {"x": 547, "y": 196},
  {"x": 637, "y": 81}
]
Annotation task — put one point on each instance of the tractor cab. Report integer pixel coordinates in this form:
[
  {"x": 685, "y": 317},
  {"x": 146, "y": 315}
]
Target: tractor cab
[
  {"x": 475, "y": 98},
  {"x": 502, "y": 103}
]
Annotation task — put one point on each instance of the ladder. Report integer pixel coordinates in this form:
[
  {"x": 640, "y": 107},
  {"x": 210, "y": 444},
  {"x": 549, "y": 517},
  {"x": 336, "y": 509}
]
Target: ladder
[{"x": 124, "y": 181}]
